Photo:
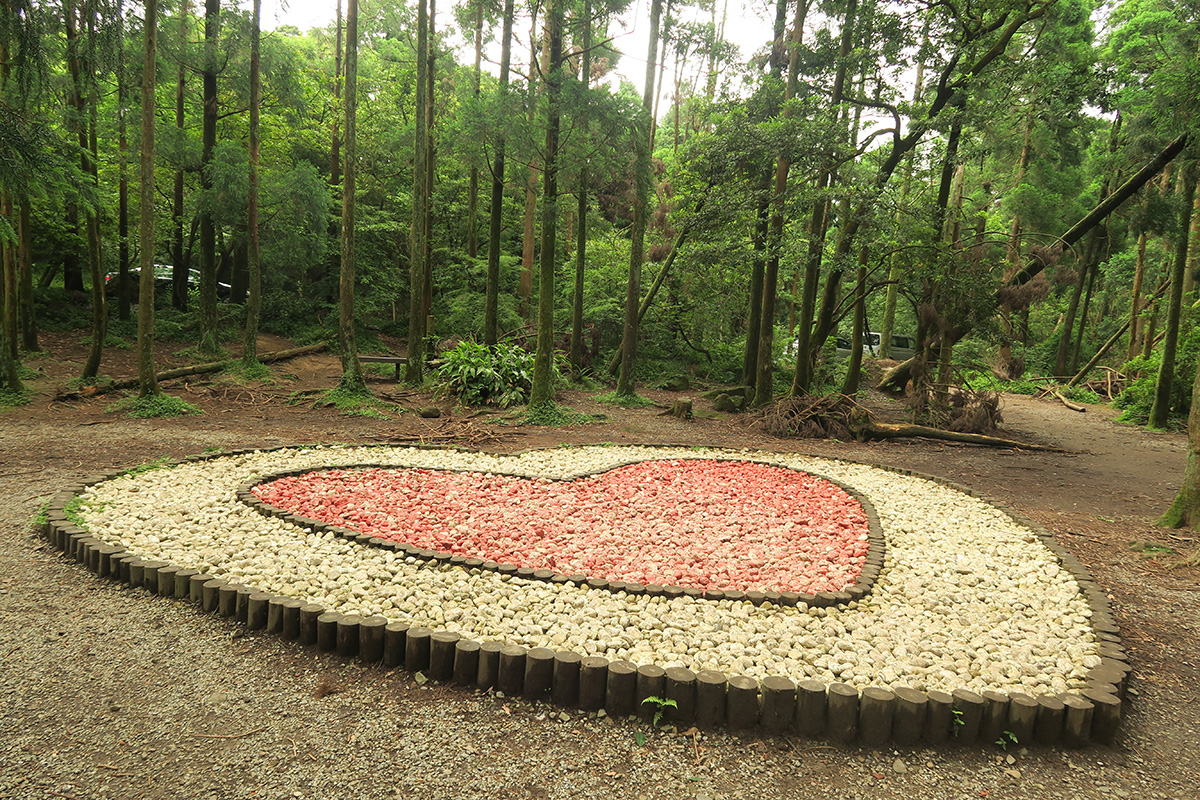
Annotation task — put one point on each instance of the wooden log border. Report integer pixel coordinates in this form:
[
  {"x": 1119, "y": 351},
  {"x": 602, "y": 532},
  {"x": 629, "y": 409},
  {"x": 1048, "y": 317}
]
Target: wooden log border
[{"x": 880, "y": 717}]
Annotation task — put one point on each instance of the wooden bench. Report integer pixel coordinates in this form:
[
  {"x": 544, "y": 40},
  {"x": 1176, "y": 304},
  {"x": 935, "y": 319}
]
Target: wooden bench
[{"x": 394, "y": 360}]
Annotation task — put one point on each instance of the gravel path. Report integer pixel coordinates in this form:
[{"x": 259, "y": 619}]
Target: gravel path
[{"x": 110, "y": 692}]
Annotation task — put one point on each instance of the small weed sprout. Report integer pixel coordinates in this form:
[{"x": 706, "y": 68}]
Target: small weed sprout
[
  {"x": 1006, "y": 738},
  {"x": 661, "y": 704}
]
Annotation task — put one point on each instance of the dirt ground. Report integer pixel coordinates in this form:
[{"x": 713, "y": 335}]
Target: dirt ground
[{"x": 1097, "y": 497}]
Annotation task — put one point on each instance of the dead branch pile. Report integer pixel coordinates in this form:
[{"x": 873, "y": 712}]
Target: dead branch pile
[
  {"x": 840, "y": 417},
  {"x": 1108, "y": 386},
  {"x": 810, "y": 416},
  {"x": 973, "y": 412}
]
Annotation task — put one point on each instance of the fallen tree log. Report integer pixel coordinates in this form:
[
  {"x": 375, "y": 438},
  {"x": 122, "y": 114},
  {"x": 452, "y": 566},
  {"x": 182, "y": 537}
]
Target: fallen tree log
[
  {"x": 183, "y": 372},
  {"x": 1037, "y": 261},
  {"x": 866, "y": 428},
  {"x": 1068, "y": 403}
]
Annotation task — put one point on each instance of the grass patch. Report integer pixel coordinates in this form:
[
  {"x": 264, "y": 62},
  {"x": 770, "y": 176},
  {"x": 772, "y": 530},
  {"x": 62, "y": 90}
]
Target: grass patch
[
  {"x": 162, "y": 462},
  {"x": 11, "y": 398},
  {"x": 193, "y": 354},
  {"x": 552, "y": 415},
  {"x": 355, "y": 404},
  {"x": 156, "y": 405},
  {"x": 255, "y": 371},
  {"x": 624, "y": 400}
]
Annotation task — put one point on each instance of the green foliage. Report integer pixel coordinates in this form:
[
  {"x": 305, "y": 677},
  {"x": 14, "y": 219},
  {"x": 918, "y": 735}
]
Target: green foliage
[
  {"x": 478, "y": 375},
  {"x": 162, "y": 462},
  {"x": 624, "y": 401},
  {"x": 10, "y": 398},
  {"x": 355, "y": 402},
  {"x": 157, "y": 405},
  {"x": 984, "y": 381},
  {"x": 57, "y": 310},
  {"x": 73, "y": 510},
  {"x": 254, "y": 371},
  {"x": 1006, "y": 738},
  {"x": 1082, "y": 394},
  {"x": 831, "y": 368},
  {"x": 660, "y": 705},
  {"x": 552, "y": 415},
  {"x": 1138, "y": 397}
]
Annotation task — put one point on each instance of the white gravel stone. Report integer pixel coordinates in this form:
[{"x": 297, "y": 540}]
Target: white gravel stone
[{"x": 968, "y": 598}]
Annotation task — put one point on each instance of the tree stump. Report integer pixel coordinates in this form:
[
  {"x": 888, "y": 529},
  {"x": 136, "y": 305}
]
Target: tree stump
[{"x": 681, "y": 409}]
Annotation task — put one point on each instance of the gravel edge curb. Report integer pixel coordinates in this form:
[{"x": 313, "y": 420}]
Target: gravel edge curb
[{"x": 836, "y": 712}]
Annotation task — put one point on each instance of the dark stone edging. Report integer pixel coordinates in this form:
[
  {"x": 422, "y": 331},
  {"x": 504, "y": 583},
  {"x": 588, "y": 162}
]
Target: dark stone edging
[
  {"x": 837, "y": 712},
  {"x": 866, "y": 579}
]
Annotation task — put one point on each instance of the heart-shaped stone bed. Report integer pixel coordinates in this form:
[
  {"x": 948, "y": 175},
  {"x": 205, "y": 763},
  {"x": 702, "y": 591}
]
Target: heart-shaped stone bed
[{"x": 698, "y": 524}]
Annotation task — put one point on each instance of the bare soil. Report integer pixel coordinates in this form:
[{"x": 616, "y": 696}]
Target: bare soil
[{"x": 109, "y": 692}]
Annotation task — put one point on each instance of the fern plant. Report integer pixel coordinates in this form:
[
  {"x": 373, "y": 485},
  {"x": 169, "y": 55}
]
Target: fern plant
[{"x": 478, "y": 375}]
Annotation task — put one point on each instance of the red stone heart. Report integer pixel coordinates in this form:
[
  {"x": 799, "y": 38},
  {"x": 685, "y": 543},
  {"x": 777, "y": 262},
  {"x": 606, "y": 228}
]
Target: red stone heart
[{"x": 700, "y": 523}]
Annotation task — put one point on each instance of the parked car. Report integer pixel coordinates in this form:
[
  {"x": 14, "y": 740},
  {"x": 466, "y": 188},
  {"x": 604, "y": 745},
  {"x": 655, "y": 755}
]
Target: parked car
[
  {"x": 903, "y": 347},
  {"x": 163, "y": 278}
]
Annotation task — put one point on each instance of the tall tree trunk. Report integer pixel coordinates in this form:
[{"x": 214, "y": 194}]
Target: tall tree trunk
[
  {"x": 758, "y": 268},
  {"x": 854, "y": 368},
  {"x": 84, "y": 92},
  {"x": 1185, "y": 509},
  {"x": 208, "y": 232},
  {"x": 72, "y": 273},
  {"x": 29, "y": 328},
  {"x": 147, "y": 377},
  {"x": 808, "y": 341},
  {"x": 430, "y": 157},
  {"x": 123, "y": 309},
  {"x": 352, "y": 376},
  {"x": 1081, "y": 321},
  {"x": 642, "y": 187},
  {"x": 1193, "y": 256},
  {"x": 764, "y": 391},
  {"x": 542, "y": 392},
  {"x": 334, "y": 263},
  {"x": 179, "y": 274},
  {"x": 525, "y": 287},
  {"x": 473, "y": 181},
  {"x": 10, "y": 376},
  {"x": 414, "y": 370},
  {"x": 254, "y": 298},
  {"x": 1139, "y": 273},
  {"x": 8, "y": 282},
  {"x": 762, "y": 218},
  {"x": 1166, "y": 373},
  {"x": 179, "y": 261},
  {"x": 895, "y": 273},
  {"x": 1090, "y": 255},
  {"x": 496, "y": 212},
  {"x": 335, "y": 139},
  {"x": 585, "y": 70},
  {"x": 1136, "y": 328}
]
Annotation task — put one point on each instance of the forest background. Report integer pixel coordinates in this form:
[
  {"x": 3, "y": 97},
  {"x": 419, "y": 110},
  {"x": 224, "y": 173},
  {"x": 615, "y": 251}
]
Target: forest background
[{"x": 1008, "y": 186}]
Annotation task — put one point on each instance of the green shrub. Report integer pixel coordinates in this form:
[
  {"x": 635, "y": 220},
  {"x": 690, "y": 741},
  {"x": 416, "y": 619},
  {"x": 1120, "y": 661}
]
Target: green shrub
[
  {"x": 13, "y": 397},
  {"x": 478, "y": 375},
  {"x": 1138, "y": 397},
  {"x": 154, "y": 406}
]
